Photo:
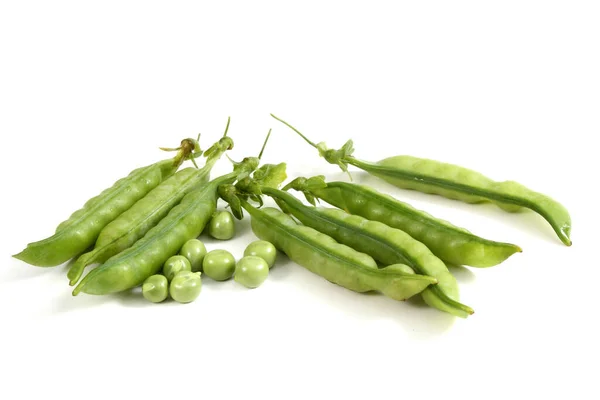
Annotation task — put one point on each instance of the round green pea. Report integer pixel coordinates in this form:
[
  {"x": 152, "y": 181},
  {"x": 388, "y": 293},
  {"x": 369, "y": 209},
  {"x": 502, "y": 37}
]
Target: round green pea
[
  {"x": 174, "y": 265},
  {"x": 155, "y": 288},
  {"x": 221, "y": 225},
  {"x": 251, "y": 271},
  {"x": 194, "y": 250},
  {"x": 262, "y": 249},
  {"x": 185, "y": 286},
  {"x": 401, "y": 268},
  {"x": 219, "y": 265}
]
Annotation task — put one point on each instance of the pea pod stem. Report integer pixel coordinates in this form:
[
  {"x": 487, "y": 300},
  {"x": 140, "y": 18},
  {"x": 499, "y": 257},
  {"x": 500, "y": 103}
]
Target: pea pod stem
[{"x": 451, "y": 181}]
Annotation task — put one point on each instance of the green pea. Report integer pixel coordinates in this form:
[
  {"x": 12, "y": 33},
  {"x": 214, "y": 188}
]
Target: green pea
[
  {"x": 155, "y": 288},
  {"x": 251, "y": 271},
  {"x": 194, "y": 250},
  {"x": 174, "y": 265},
  {"x": 219, "y": 265},
  {"x": 186, "y": 286},
  {"x": 262, "y": 249},
  {"x": 221, "y": 225}
]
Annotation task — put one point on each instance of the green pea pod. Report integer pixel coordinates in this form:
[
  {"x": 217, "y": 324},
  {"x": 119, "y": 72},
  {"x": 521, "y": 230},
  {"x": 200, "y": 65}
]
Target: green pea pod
[
  {"x": 81, "y": 230},
  {"x": 146, "y": 257},
  {"x": 335, "y": 262},
  {"x": 183, "y": 222},
  {"x": 450, "y": 243},
  {"x": 134, "y": 223},
  {"x": 454, "y": 182},
  {"x": 385, "y": 244}
]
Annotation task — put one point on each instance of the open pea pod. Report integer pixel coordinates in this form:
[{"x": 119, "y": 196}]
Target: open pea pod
[
  {"x": 333, "y": 261},
  {"x": 82, "y": 228},
  {"x": 452, "y": 181}
]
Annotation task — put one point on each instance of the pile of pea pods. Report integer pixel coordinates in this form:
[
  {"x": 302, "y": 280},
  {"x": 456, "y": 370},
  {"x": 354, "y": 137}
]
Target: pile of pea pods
[{"x": 143, "y": 231}]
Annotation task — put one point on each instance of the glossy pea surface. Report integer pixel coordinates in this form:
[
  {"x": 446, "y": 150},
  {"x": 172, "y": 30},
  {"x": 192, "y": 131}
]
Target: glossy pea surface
[
  {"x": 222, "y": 225},
  {"x": 263, "y": 249},
  {"x": 155, "y": 288},
  {"x": 185, "y": 286},
  {"x": 194, "y": 250},
  {"x": 251, "y": 271},
  {"x": 449, "y": 242},
  {"x": 219, "y": 265},
  {"x": 175, "y": 265}
]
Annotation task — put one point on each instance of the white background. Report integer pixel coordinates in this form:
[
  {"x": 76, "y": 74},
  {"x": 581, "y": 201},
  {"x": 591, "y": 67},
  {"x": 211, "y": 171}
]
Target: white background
[{"x": 89, "y": 91}]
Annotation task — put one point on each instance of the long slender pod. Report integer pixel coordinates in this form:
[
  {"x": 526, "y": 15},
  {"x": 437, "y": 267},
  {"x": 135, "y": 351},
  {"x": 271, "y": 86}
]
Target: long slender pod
[
  {"x": 333, "y": 261},
  {"x": 146, "y": 257},
  {"x": 134, "y": 223},
  {"x": 81, "y": 230},
  {"x": 452, "y": 181},
  {"x": 183, "y": 222},
  {"x": 450, "y": 243},
  {"x": 385, "y": 244}
]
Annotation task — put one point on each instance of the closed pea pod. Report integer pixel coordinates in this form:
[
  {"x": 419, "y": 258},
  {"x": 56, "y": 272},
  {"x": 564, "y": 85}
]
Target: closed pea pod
[
  {"x": 454, "y": 182},
  {"x": 184, "y": 222},
  {"x": 452, "y": 244},
  {"x": 80, "y": 231},
  {"x": 325, "y": 257},
  {"x": 134, "y": 223},
  {"x": 385, "y": 244},
  {"x": 132, "y": 266}
]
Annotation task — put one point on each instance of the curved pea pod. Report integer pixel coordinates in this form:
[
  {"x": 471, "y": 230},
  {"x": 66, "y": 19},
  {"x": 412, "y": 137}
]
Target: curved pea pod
[
  {"x": 81, "y": 230},
  {"x": 134, "y": 223},
  {"x": 454, "y": 182},
  {"x": 335, "y": 262},
  {"x": 385, "y": 244},
  {"x": 131, "y": 267}
]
